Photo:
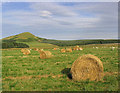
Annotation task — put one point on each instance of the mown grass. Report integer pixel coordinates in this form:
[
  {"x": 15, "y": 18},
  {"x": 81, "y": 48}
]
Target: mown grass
[{"x": 30, "y": 73}]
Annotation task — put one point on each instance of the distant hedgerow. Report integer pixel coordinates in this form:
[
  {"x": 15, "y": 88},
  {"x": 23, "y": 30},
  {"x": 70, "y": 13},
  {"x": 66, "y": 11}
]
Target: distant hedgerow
[
  {"x": 78, "y": 42},
  {"x": 13, "y": 44}
]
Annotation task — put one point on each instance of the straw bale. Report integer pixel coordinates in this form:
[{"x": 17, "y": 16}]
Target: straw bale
[
  {"x": 54, "y": 48},
  {"x": 68, "y": 50},
  {"x": 45, "y": 54},
  {"x": 87, "y": 67},
  {"x": 76, "y": 47},
  {"x": 36, "y": 49},
  {"x": 40, "y": 50},
  {"x": 80, "y": 48},
  {"x": 63, "y": 50},
  {"x": 22, "y": 50},
  {"x": 26, "y": 51}
]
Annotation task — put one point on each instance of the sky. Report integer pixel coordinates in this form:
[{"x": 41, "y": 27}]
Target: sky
[{"x": 61, "y": 20}]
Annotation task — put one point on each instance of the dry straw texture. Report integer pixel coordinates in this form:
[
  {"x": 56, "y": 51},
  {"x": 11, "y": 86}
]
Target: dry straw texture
[
  {"x": 45, "y": 54},
  {"x": 87, "y": 67},
  {"x": 25, "y": 51},
  {"x": 63, "y": 50},
  {"x": 68, "y": 50}
]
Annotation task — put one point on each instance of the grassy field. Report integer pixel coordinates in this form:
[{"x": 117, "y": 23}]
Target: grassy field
[
  {"x": 39, "y": 45},
  {"x": 30, "y": 73}
]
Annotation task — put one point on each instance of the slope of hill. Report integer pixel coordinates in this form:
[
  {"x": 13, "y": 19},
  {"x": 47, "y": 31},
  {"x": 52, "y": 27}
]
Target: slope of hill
[{"x": 28, "y": 39}]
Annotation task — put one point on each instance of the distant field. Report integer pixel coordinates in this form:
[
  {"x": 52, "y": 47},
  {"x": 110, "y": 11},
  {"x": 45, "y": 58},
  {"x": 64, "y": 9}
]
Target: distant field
[{"x": 30, "y": 73}]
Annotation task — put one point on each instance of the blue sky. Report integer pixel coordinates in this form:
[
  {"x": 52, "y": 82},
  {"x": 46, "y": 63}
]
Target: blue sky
[{"x": 62, "y": 21}]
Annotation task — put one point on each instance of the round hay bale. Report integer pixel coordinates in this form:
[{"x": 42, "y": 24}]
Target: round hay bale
[
  {"x": 80, "y": 48},
  {"x": 45, "y": 54},
  {"x": 77, "y": 46},
  {"x": 63, "y": 50},
  {"x": 40, "y": 50},
  {"x": 68, "y": 50},
  {"x": 22, "y": 50},
  {"x": 87, "y": 67},
  {"x": 54, "y": 48},
  {"x": 26, "y": 51},
  {"x": 36, "y": 49},
  {"x": 74, "y": 48}
]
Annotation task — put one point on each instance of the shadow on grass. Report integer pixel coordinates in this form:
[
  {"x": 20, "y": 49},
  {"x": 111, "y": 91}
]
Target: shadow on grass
[{"x": 67, "y": 72}]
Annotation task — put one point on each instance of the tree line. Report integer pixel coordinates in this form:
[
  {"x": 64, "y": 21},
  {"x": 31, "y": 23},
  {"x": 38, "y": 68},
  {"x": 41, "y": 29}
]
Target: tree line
[
  {"x": 78, "y": 42},
  {"x": 12, "y": 44}
]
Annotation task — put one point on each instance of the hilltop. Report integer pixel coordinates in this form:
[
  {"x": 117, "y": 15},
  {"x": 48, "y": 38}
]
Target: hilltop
[{"x": 23, "y": 37}]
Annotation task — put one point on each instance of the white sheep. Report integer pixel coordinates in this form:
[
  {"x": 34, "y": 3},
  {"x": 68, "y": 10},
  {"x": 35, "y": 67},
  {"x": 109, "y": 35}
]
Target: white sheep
[{"x": 113, "y": 48}]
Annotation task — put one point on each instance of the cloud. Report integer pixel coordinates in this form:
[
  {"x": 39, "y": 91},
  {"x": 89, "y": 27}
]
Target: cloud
[
  {"x": 106, "y": 12},
  {"x": 52, "y": 19},
  {"x": 54, "y": 8},
  {"x": 45, "y": 13}
]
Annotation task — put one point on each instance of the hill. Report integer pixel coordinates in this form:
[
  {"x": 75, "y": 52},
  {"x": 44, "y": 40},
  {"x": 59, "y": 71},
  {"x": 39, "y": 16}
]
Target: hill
[
  {"x": 33, "y": 41},
  {"x": 25, "y": 38}
]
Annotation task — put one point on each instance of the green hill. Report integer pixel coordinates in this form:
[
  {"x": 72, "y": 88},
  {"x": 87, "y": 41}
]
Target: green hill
[{"x": 28, "y": 39}]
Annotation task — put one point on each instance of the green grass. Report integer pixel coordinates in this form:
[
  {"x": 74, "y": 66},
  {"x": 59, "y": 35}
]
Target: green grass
[
  {"x": 39, "y": 45},
  {"x": 26, "y": 69}
]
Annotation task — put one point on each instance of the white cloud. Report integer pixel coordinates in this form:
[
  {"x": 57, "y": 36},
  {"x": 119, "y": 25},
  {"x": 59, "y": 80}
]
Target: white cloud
[
  {"x": 45, "y": 13},
  {"x": 54, "y": 8}
]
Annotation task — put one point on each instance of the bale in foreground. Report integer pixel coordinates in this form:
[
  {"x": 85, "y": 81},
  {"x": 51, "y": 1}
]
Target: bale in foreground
[
  {"x": 87, "y": 67},
  {"x": 45, "y": 54}
]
